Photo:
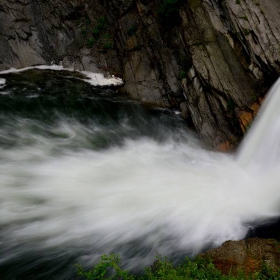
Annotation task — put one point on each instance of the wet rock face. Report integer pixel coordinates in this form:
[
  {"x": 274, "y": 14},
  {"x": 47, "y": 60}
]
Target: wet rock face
[
  {"x": 215, "y": 57},
  {"x": 246, "y": 255}
]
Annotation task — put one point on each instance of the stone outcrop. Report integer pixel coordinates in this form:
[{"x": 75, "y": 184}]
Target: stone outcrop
[
  {"x": 246, "y": 255},
  {"x": 211, "y": 58}
]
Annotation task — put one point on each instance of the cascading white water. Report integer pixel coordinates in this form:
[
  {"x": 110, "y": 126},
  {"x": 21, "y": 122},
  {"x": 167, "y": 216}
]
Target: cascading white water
[
  {"x": 2, "y": 83},
  {"x": 129, "y": 182},
  {"x": 261, "y": 147}
]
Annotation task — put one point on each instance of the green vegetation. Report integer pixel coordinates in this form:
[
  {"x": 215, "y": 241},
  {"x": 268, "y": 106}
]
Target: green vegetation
[
  {"x": 245, "y": 18},
  {"x": 182, "y": 75},
  {"x": 237, "y": 2},
  {"x": 90, "y": 43},
  {"x": 100, "y": 27},
  {"x": 132, "y": 30},
  {"x": 95, "y": 35},
  {"x": 169, "y": 12},
  {"x": 107, "y": 42},
  {"x": 109, "y": 268},
  {"x": 246, "y": 32}
]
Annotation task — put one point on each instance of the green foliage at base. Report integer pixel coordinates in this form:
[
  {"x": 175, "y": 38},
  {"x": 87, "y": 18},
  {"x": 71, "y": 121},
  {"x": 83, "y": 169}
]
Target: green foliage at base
[
  {"x": 162, "y": 269},
  {"x": 106, "y": 265}
]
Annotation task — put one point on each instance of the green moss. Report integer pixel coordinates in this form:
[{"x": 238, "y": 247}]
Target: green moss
[
  {"x": 182, "y": 75},
  {"x": 99, "y": 27},
  {"x": 101, "y": 23},
  {"x": 245, "y": 18},
  {"x": 106, "y": 42},
  {"x": 107, "y": 45},
  {"x": 95, "y": 35},
  {"x": 132, "y": 30},
  {"x": 90, "y": 43},
  {"x": 246, "y": 32}
]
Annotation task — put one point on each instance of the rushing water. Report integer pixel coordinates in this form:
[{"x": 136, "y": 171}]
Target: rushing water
[{"x": 86, "y": 172}]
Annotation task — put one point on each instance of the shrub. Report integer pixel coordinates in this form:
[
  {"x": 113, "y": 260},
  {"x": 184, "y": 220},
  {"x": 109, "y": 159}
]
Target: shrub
[
  {"x": 162, "y": 269},
  {"x": 107, "y": 265}
]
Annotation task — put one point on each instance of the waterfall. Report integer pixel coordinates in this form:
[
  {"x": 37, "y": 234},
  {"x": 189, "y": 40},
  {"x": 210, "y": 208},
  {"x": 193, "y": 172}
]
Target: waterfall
[
  {"x": 260, "y": 150},
  {"x": 86, "y": 172}
]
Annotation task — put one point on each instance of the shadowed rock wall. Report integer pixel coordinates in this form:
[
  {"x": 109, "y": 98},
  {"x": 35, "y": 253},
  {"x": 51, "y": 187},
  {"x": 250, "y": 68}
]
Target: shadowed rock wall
[{"x": 213, "y": 59}]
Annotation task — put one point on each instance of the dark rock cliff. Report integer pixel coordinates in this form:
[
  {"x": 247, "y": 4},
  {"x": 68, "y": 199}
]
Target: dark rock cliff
[{"x": 213, "y": 59}]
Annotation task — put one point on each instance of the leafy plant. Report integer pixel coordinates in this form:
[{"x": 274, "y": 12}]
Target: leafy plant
[
  {"x": 107, "y": 267},
  {"x": 182, "y": 75},
  {"x": 162, "y": 269}
]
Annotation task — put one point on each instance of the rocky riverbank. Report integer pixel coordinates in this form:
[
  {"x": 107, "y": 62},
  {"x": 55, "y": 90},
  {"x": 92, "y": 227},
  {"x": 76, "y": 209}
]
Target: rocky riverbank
[
  {"x": 246, "y": 255},
  {"x": 212, "y": 59}
]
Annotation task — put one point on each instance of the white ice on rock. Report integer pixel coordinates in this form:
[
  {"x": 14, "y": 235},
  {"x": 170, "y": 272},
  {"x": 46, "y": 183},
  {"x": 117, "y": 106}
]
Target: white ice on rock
[{"x": 95, "y": 79}]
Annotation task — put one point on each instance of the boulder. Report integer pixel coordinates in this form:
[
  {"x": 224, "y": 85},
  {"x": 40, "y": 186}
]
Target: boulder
[{"x": 247, "y": 255}]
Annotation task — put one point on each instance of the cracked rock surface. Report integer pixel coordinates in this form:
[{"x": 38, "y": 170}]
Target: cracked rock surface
[
  {"x": 214, "y": 62},
  {"x": 246, "y": 255}
]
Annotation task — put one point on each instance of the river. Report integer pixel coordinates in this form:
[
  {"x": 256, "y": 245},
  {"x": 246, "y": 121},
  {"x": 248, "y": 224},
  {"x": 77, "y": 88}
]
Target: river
[{"x": 85, "y": 171}]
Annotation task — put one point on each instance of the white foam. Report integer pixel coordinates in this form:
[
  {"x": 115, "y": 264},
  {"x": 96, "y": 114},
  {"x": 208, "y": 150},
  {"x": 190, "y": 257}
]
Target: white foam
[
  {"x": 260, "y": 148},
  {"x": 33, "y": 96},
  {"x": 95, "y": 79},
  {"x": 2, "y": 82},
  {"x": 170, "y": 196},
  {"x": 42, "y": 67},
  {"x": 5, "y": 92}
]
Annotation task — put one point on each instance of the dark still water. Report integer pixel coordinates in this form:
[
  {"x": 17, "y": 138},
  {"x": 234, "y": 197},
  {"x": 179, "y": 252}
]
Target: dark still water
[{"x": 86, "y": 172}]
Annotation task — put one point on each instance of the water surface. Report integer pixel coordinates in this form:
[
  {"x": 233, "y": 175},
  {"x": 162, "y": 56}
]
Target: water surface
[{"x": 85, "y": 172}]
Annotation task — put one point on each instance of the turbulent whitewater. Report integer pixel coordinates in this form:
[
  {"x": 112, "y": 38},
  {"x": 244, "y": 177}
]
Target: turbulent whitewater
[
  {"x": 86, "y": 172},
  {"x": 260, "y": 148}
]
